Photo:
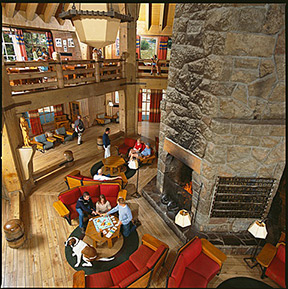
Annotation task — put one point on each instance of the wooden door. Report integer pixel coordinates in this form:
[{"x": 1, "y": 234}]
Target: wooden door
[{"x": 74, "y": 110}]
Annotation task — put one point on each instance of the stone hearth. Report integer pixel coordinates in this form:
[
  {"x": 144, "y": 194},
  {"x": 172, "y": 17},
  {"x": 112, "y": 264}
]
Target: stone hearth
[{"x": 230, "y": 243}]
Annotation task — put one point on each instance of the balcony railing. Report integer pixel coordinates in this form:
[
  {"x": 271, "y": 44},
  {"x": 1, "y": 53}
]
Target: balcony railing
[
  {"x": 30, "y": 76},
  {"x": 144, "y": 68}
]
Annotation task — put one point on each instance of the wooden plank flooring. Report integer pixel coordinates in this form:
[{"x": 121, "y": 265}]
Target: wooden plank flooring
[{"x": 41, "y": 261}]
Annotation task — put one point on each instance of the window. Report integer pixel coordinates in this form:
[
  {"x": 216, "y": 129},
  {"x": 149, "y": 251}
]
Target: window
[
  {"x": 148, "y": 47},
  {"x": 169, "y": 45},
  {"x": 146, "y": 93},
  {"x": 8, "y": 40},
  {"x": 46, "y": 114},
  {"x": 116, "y": 99},
  {"x": 34, "y": 39}
]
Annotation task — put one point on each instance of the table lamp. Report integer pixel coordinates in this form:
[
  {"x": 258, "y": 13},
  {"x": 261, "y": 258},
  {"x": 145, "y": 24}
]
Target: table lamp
[
  {"x": 183, "y": 219},
  {"x": 110, "y": 104},
  {"x": 258, "y": 230}
]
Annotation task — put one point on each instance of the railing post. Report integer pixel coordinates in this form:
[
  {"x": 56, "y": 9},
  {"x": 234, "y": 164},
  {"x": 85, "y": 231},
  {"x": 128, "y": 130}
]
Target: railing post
[
  {"x": 59, "y": 73},
  {"x": 97, "y": 71},
  {"x": 123, "y": 58}
]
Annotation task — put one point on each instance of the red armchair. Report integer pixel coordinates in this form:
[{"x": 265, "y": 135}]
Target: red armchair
[
  {"x": 272, "y": 259},
  {"x": 66, "y": 204},
  {"x": 128, "y": 144},
  {"x": 196, "y": 263},
  {"x": 136, "y": 272}
]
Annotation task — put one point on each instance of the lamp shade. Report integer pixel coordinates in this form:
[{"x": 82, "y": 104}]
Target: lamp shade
[
  {"x": 110, "y": 103},
  {"x": 258, "y": 229},
  {"x": 183, "y": 219}
]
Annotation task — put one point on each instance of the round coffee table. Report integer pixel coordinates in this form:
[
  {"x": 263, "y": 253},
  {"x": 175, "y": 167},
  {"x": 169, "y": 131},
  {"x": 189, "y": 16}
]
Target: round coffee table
[
  {"x": 113, "y": 162},
  {"x": 243, "y": 282}
]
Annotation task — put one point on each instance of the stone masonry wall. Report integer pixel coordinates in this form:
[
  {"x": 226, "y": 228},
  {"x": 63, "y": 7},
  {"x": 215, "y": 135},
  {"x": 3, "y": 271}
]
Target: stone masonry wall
[{"x": 225, "y": 99}]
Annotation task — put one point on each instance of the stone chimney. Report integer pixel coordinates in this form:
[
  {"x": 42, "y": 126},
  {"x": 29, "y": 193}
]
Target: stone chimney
[{"x": 225, "y": 99}]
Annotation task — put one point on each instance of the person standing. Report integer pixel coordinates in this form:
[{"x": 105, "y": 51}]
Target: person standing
[
  {"x": 125, "y": 217},
  {"x": 79, "y": 128},
  {"x": 106, "y": 143},
  {"x": 84, "y": 205}
]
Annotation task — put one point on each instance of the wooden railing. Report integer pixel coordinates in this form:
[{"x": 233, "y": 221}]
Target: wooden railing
[
  {"x": 29, "y": 76},
  {"x": 144, "y": 68}
]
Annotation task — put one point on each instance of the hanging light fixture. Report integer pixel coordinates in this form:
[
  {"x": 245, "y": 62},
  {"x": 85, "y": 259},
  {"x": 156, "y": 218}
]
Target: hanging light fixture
[{"x": 96, "y": 24}]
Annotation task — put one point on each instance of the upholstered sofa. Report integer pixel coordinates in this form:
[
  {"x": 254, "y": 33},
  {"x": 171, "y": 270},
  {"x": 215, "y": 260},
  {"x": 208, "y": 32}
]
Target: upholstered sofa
[
  {"x": 272, "y": 258},
  {"x": 137, "y": 271},
  {"x": 43, "y": 143},
  {"x": 101, "y": 119},
  {"x": 196, "y": 263},
  {"x": 66, "y": 204},
  {"x": 63, "y": 134},
  {"x": 124, "y": 148},
  {"x": 75, "y": 179}
]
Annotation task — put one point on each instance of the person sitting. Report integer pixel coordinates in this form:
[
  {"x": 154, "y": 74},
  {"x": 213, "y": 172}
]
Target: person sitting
[
  {"x": 155, "y": 62},
  {"x": 125, "y": 217},
  {"x": 103, "y": 205},
  {"x": 146, "y": 153},
  {"x": 84, "y": 205},
  {"x": 100, "y": 177},
  {"x": 137, "y": 147}
]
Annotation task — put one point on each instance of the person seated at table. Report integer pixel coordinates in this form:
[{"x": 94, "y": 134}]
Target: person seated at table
[
  {"x": 34, "y": 53},
  {"x": 137, "y": 147},
  {"x": 155, "y": 62},
  {"x": 146, "y": 153},
  {"x": 103, "y": 205},
  {"x": 125, "y": 217},
  {"x": 100, "y": 177},
  {"x": 84, "y": 206}
]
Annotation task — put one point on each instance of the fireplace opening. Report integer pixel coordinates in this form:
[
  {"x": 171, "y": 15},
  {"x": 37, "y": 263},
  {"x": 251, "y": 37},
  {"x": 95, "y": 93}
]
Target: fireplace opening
[{"x": 177, "y": 187}]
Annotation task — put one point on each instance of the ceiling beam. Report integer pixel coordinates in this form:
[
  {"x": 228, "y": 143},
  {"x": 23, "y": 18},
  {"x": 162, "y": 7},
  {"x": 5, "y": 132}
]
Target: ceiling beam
[
  {"x": 66, "y": 6},
  {"x": 148, "y": 18},
  {"x": 31, "y": 10},
  {"x": 9, "y": 9},
  {"x": 50, "y": 10},
  {"x": 163, "y": 15}
]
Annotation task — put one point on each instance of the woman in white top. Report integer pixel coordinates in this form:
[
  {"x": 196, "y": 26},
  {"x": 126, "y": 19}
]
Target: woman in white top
[{"x": 103, "y": 205}]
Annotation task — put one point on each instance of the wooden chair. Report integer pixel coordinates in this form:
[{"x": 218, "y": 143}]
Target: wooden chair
[
  {"x": 43, "y": 143},
  {"x": 102, "y": 119},
  {"x": 149, "y": 160}
]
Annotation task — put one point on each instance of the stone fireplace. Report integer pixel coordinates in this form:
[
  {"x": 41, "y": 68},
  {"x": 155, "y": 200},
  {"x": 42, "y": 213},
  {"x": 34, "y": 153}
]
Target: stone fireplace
[{"x": 224, "y": 111}]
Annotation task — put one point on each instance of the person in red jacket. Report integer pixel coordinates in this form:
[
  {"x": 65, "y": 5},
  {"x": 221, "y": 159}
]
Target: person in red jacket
[{"x": 137, "y": 148}]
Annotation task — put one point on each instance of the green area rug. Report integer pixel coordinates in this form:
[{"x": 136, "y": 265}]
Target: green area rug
[
  {"x": 130, "y": 245},
  {"x": 128, "y": 173}
]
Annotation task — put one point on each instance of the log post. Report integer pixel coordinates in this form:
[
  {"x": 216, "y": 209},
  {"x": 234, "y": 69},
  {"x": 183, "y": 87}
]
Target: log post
[
  {"x": 59, "y": 73},
  {"x": 97, "y": 71}
]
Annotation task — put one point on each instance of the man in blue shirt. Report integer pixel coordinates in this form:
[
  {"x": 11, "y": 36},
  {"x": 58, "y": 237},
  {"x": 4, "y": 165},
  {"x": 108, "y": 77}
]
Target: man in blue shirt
[
  {"x": 106, "y": 143},
  {"x": 144, "y": 154},
  {"x": 84, "y": 205},
  {"x": 125, "y": 217}
]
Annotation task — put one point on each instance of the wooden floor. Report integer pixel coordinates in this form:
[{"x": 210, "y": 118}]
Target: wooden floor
[{"x": 41, "y": 261}]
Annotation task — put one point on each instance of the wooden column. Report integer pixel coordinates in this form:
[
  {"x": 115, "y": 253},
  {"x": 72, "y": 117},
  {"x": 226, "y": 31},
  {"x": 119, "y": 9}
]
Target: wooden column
[
  {"x": 60, "y": 78},
  {"x": 128, "y": 44}
]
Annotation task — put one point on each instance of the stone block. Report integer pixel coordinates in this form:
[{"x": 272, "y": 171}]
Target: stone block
[
  {"x": 278, "y": 93},
  {"x": 247, "y": 63},
  {"x": 195, "y": 38},
  {"x": 247, "y": 140},
  {"x": 280, "y": 45},
  {"x": 269, "y": 141},
  {"x": 220, "y": 154},
  {"x": 196, "y": 66},
  {"x": 249, "y": 44},
  {"x": 276, "y": 130},
  {"x": 218, "y": 68},
  {"x": 276, "y": 155},
  {"x": 260, "y": 130},
  {"x": 180, "y": 38},
  {"x": 180, "y": 24},
  {"x": 231, "y": 108},
  {"x": 275, "y": 18},
  {"x": 241, "y": 129},
  {"x": 219, "y": 19},
  {"x": 258, "y": 106},
  {"x": 172, "y": 76},
  {"x": 266, "y": 67},
  {"x": 194, "y": 26},
  {"x": 194, "y": 111},
  {"x": 220, "y": 127},
  {"x": 235, "y": 153},
  {"x": 206, "y": 101},
  {"x": 260, "y": 153},
  {"x": 280, "y": 67},
  {"x": 245, "y": 167},
  {"x": 187, "y": 81},
  {"x": 214, "y": 221},
  {"x": 266, "y": 171},
  {"x": 244, "y": 76},
  {"x": 250, "y": 19},
  {"x": 208, "y": 170},
  {"x": 240, "y": 93},
  {"x": 263, "y": 87},
  {"x": 224, "y": 171},
  {"x": 223, "y": 139},
  {"x": 275, "y": 111},
  {"x": 213, "y": 42}
]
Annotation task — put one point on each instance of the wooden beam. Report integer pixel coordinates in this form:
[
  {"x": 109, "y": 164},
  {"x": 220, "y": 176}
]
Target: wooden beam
[
  {"x": 163, "y": 15},
  {"x": 50, "y": 10},
  {"x": 182, "y": 154},
  {"x": 9, "y": 9},
  {"x": 63, "y": 95},
  {"x": 66, "y": 6},
  {"x": 152, "y": 83},
  {"x": 31, "y": 10},
  {"x": 148, "y": 18}
]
